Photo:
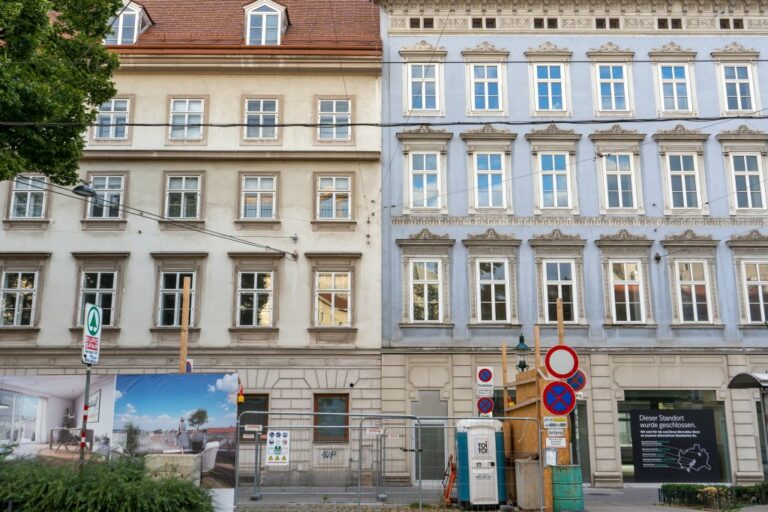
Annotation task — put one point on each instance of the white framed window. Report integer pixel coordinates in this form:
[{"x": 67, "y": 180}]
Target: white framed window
[
  {"x": 423, "y": 87},
  {"x": 619, "y": 181},
  {"x": 333, "y": 299},
  {"x": 171, "y": 292},
  {"x": 19, "y": 298},
  {"x": 748, "y": 181},
  {"x": 254, "y": 299},
  {"x": 756, "y": 290},
  {"x": 425, "y": 180},
  {"x": 683, "y": 181},
  {"x": 612, "y": 85},
  {"x": 738, "y": 87},
  {"x": 490, "y": 189},
  {"x": 487, "y": 91},
  {"x": 258, "y": 197},
  {"x": 426, "y": 290},
  {"x": 554, "y": 179},
  {"x": 493, "y": 290},
  {"x": 265, "y": 25},
  {"x": 126, "y": 27},
  {"x": 186, "y": 119},
  {"x": 112, "y": 120},
  {"x": 109, "y": 197},
  {"x": 334, "y": 198},
  {"x": 183, "y": 197},
  {"x": 559, "y": 282},
  {"x": 627, "y": 299},
  {"x": 334, "y": 118},
  {"x": 693, "y": 291},
  {"x": 675, "y": 87},
  {"x": 28, "y": 197},
  {"x": 549, "y": 87},
  {"x": 98, "y": 288},
  {"x": 261, "y": 117}
]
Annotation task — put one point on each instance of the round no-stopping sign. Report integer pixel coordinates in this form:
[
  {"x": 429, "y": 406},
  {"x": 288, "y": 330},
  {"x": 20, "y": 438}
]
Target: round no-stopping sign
[
  {"x": 561, "y": 361},
  {"x": 577, "y": 381},
  {"x": 559, "y": 398},
  {"x": 485, "y": 374},
  {"x": 485, "y": 405}
]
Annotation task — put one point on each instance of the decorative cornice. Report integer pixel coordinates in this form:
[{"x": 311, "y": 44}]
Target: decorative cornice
[
  {"x": 752, "y": 239},
  {"x": 333, "y": 255},
  {"x": 24, "y": 255},
  {"x": 485, "y": 48},
  {"x": 611, "y": 49},
  {"x": 735, "y": 50},
  {"x": 556, "y": 237},
  {"x": 488, "y": 131},
  {"x": 616, "y": 132},
  {"x": 426, "y": 234},
  {"x": 672, "y": 49},
  {"x": 83, "y": 255},
  {"x": 742, "y": 134},
  {"x": 549, "y": 49},
  {"x": 180, "y": 255},
  {"x": 689, "y": 238},
  {"x": 425, "y": 237},
  {"x": 624, "y": 238},
  {"x": 424, "y": 132},
  {"x": 740, "y": 222},
  {"x": 552, "y": 132},
  {"x": 423, "y": 47},
  {"x": 491, "y": 237},
  {"x": 680, "y": 132}
]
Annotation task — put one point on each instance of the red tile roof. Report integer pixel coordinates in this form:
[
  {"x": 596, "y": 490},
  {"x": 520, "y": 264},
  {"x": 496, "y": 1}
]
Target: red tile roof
[{"x": 319, "y": 24}]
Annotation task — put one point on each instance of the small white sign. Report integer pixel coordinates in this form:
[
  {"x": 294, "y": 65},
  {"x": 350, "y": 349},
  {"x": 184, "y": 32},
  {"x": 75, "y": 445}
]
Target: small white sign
[
  {"x": 484, "y": 381},
  {"x": 556, "y": 422},
  {"x": 556, "y": 432},
  {"x": 555, "y": 442},
  {"x": 253, "y": 428},
  {"x": 91, "y": 334},
  {"x": 278, "y": 447},
  {"x": 373, "y": 431},
  {"x": 550, "y": 457}
]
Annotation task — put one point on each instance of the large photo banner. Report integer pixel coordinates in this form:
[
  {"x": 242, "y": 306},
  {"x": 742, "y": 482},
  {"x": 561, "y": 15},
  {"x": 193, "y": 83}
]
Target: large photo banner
[{"x": 674, "y": 446}]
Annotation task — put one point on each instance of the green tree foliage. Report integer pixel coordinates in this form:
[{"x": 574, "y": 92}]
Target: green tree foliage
[
  {"x": 198, "y": 418},
  {"x": 54, "y": 68}
]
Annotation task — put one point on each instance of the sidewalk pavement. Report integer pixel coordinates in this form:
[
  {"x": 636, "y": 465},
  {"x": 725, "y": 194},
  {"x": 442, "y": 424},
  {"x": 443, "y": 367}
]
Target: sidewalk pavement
[{"x": 635, "y": 499}]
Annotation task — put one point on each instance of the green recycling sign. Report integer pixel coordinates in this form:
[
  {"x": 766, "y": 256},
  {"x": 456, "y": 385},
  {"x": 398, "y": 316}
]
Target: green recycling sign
[{"x": 92, "y": 317}]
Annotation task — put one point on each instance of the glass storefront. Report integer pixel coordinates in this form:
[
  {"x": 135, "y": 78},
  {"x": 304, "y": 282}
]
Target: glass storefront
[{"x": 671, "y": 400}]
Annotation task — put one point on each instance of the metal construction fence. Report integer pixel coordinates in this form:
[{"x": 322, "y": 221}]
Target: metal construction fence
[{"x": 363, "y": 459}]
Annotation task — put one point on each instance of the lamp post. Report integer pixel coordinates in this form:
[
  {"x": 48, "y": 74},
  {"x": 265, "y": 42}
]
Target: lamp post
[
  {"x": 84, "y": 189},
  {"x": 521, "y": 350}
]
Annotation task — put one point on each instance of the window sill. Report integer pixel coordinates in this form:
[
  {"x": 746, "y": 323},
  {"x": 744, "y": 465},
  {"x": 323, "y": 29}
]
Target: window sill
[
  {"x": 697, "y": 326},
  {"x": 555, "y": 212},
  {"x": 618, "y": 325},
  {"x": 104, "y": 225},
  {"x": 334, "y": 225},
  {"x": 676, "y": 113},
  {"x": 551, "y": 113},
  {"x": 553, "y": 325},
  {"x": 490, "y": 325},
  {"x": 173, "y": 329},
  {"x": 343, "y": 335},
  {"x": 426, "y": 325},
  {"x": 26, "y": 224},
  {"x": 334, "y": 142},
  {"x": 261, "y": 142},
  {"x": 257, "y": 224},
  {"x": 423, "y": 113},
  {"x": 171, "y": 225},
  {"x": 21, "y": 329},
  {"x": 105, "y": 329},
  {"x": 109, "y": 142},
  {"x": 254, "y": 329}
]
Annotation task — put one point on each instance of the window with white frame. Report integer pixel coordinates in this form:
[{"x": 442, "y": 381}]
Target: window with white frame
[
  {"x": 489, "y": 180},
  {"x": 426, "y": 291},
  {"x": 549, "y": 87},
  {"x": 675, "y": 87},
  {"x": 619, "y": 180},
  {"x": 254, "y": 297},
  {"x": 333, "y": 296},
  {"x": 425, "y": 180},
  {"x": 334, "y": 198},
  {"x": 126, "y": 27},
  {"x": 170, "y": 300},
  {"x": 28, "y": 197},
  {"x": 423, "y": 87},
  {"x": 98, "y": 288},
  {"x": 553, "y": 170},
  {"x": 492, "y": 291},
  {"x": 334, "y": 118},
  {"x": 264, "y": 26},
  {"x": 683, "y": 181},
  {"x": 261, "y": 119},
  {"x": 747, "y": 181},
  {"x": 756, "y": 289},
  {"x": 183, "y": 197},
  {"x": 737, "y": 84},
  {"x": 693, "y": 291},
  {"x": 627, "y": 288},
  {"x": 186, "y": 119},
  {"x": 19, "y": 297},
  {"x": 112, "y": 120},
  {"x": 612, "y": 87},
  {"x": 258, "y": 198},
  {"x": 109, "y": 197},
  {"x": 559, "y": 282},
  {"x": 486, "y": 88}
]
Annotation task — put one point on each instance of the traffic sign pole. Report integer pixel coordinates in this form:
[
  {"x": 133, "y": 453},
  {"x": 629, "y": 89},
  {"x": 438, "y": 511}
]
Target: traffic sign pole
[
  {"x": 86, "y": 399},
  {"x": 92, "y": 318}
]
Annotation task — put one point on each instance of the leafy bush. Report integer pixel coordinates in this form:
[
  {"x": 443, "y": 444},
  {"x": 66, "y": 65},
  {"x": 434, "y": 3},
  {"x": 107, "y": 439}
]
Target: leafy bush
[
  {"x": 718, "y": 497},
  {"x": 35, "y": 485}
]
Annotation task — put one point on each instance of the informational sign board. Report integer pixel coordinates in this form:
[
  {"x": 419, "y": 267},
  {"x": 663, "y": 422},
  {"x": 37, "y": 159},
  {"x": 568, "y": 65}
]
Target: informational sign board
[
  {"x": 577, "y": 381},
  {"x": 485, "y": 406},
  {"x": 555, "y": 422},
  {"x": 674, "y": 446},
  {"x": 561, "y": 361},
  {"x": 91, "y": 334},
  {"x": 555, "y": 442},
  {"x": 556, "y": 432},
  {"x": 278, "y": 447},
  {"x": 558, "y": 398},
  {"x": 484, "y": 381}
]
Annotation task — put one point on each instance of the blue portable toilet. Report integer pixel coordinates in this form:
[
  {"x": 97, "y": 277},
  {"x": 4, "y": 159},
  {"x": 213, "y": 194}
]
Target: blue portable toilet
[{"x": 480, "y": 463}]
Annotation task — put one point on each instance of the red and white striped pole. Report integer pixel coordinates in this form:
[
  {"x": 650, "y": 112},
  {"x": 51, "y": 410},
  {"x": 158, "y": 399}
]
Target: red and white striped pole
[{"x": 86, "y": 399}]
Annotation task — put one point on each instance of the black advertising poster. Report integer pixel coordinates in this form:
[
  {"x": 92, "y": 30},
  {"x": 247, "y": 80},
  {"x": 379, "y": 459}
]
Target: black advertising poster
[{"x": 674, "y": 446}]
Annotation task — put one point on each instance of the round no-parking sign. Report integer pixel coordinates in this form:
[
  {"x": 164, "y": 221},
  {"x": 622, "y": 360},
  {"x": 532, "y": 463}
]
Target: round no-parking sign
[
  {"x": 485, "y": 405},
  {"x": 558, "y": 398}
]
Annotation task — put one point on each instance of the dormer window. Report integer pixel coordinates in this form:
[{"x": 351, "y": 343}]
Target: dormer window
[
  {"x": 266, "y": 22},
  {"x": 131, "y": 21}
]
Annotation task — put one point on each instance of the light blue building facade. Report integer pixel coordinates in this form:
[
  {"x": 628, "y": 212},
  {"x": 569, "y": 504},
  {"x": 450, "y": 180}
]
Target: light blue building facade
[{"x": 613, "y": 158}]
